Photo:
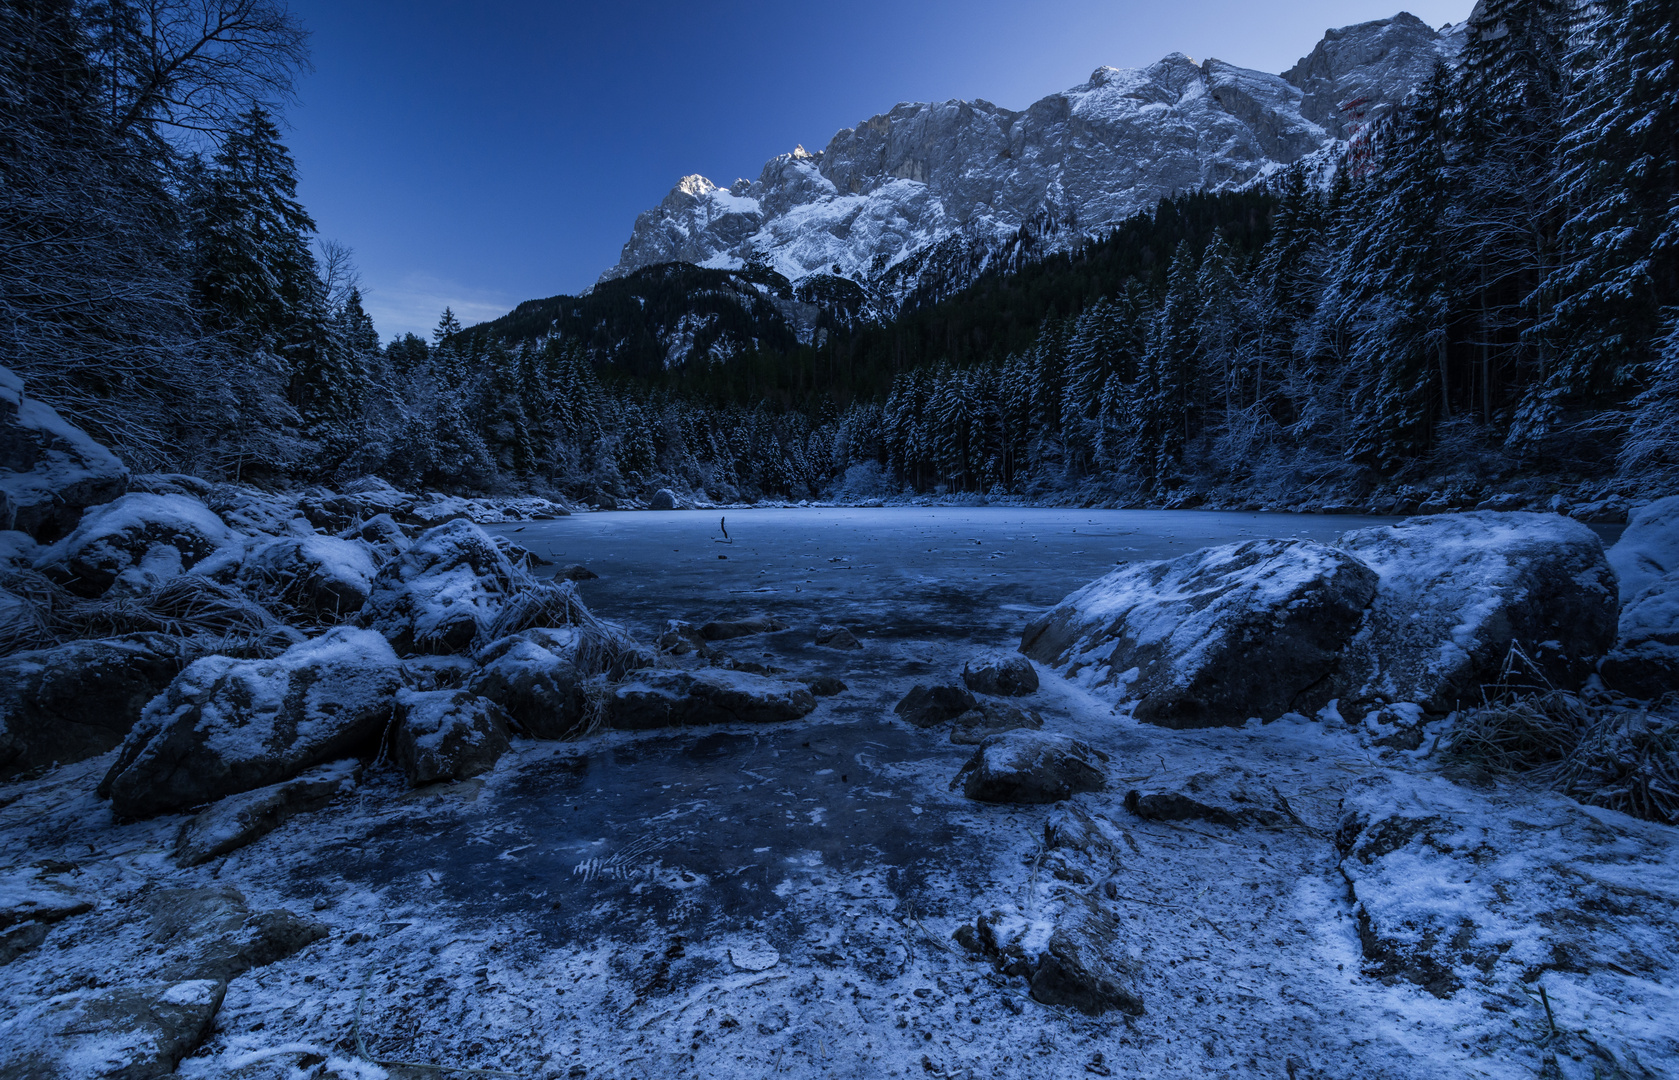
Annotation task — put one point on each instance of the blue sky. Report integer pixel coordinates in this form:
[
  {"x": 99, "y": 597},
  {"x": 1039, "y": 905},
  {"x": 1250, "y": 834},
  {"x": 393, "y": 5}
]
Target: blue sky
[{"x": 480, "y": 154}]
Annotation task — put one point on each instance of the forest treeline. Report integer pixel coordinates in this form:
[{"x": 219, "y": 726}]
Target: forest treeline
[{"x": 1488, "y": 278}]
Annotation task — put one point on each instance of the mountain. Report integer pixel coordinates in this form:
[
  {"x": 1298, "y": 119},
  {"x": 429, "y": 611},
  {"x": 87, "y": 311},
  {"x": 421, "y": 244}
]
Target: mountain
[{"x": 900, "y": 198}]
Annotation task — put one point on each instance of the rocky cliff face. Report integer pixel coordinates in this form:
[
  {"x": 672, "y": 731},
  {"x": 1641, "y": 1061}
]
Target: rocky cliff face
[{"x": 899, "y": 183}]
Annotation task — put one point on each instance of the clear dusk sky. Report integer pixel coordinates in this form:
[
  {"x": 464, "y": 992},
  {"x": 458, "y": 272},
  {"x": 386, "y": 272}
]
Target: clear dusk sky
[{"x": 480, "y": 154}]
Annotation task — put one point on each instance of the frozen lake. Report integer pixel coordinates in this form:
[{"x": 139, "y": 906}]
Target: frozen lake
[{"x": 972, "y": 573}]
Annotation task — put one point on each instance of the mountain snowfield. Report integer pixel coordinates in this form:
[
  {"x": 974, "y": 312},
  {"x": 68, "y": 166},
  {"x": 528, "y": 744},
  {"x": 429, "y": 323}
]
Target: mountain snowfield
[{"x": 901, "y": 183}]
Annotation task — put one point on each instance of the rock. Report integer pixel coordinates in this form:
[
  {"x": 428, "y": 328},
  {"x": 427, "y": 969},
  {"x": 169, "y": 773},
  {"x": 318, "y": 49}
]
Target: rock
[
  {"x": 930, "y": 706},
  {"x": 1030, "y": 767},
  {"x": 242, "y": 819},
  {"x": 723, "y": 631},
  {"x": 385, "y": 539},
  {"x": 225, "y": 726},
  {"x": 1454, "y": 887},
  {"x": 1070, "y": 827},
  {"x": 655, "y": 698},
  {"x": 50, "y": 469},
  {"x": 576, "y": 572},
  {"x": 1214, "y": 637},
  {"x": 448, "y": 735},
  {"x": 825, "y": 685},
  {"x": 1644, "y": 661},
  {"x": 78, "y": 700},
  {"x": 1075, "y": 961},
  {"x": 1231, "y": 796},
  {"x": 336, "y": 512},
  {"x": 533, "y": 676},
  {"x": 320, "y": 576},
  {"x": 127, "y": 1033},
  {"x": 680, "y": 638},
  {"x": 663, "y": 499},
  {"x": 28, "y": 896},
  {"x": 440, "y": 594},
  {"x": 837, "y": 637},
  {"x": 211, "y": 933},
  {"x": 20, "y": 939},
  {"x": 139, "y": 540},
  {"x": 1011, "y": 676},
  {"x": 989, "y": 718},
  {"x": 1458, "y": 589}
]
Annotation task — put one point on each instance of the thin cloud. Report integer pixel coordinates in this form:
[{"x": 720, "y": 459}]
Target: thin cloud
[{"x": 414, "y": 304}]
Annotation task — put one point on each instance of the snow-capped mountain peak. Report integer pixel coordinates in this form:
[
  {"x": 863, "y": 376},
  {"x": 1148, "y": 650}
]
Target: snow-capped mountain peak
[{"x": 905, "y": 180}]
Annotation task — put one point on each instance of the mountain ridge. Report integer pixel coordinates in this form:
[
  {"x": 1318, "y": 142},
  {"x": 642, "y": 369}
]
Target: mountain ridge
[{"x": 901, "y": 182}]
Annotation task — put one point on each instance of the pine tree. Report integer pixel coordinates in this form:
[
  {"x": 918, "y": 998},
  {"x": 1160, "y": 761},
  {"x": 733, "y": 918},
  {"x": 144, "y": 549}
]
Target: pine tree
[
  {"x": 1620, "y": 192},
  {"x": 1163, "y": 416}
]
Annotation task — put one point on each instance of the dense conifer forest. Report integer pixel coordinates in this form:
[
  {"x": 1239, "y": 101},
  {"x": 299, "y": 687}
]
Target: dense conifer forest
[{"x": 1478, "y": 294}]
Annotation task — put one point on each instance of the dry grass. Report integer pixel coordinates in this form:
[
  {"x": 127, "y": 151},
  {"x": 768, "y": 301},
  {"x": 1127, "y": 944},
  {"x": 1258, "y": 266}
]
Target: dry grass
[
  {"x": 1602, "y": 753},
  {"x": 186, "y": 606}
]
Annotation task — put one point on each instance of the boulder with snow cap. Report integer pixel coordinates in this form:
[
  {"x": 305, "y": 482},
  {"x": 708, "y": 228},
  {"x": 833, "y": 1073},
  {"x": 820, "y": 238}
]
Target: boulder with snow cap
[
  {"x": 1071, "y": 955},
  {"x": 321, "y": 576},
  {"x": 1006, "y": 676},
  {"x": 533, "y": 676},
  {"x": 664, "y": 499},
  {"x": 1644, "y": 661},
  {"x": 930, "y": 706},
  {"x": 139, "y": 541},
  {"x": 1214, "y": 637},
  {"x": 1459, "y": 592},
  {"x": 440, "y": 594},
  {"x": 80, "y": 699},
  {"x": 50, "y": 469},
  {"x": 225, "y": 726},
  {"x": 1030, "y": 767},
  {"x": 1231, "y": 796},
  {"x": 135, "y": 1032},
  {"x": 447, "y": 735},
  {"x": 655, "y": 698}
]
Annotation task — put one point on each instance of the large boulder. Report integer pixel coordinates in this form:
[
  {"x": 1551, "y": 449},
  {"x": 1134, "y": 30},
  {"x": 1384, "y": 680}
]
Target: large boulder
[
  {"x": 1644, "y": 661},
  {"x": 128, "y": 1032},
  {"x": 447, "y": 735},
  {"x": 655, "y": 698},
  {"x": 225, "y": 726},
  {"x": 1030, "y": 767},
  {"x": 321, "y": 576},
  {"x": 1459, "y": 592},
  {"x": 50, "y": 469},
  {"x": 139, "y": 540},
  {"x": 663, "y": 499},
  {"x": 78, "y": 700},
  {"x": 1073, "y": 957},
  {"x": 533, "y": 676},
  {"x": 1231, "y": 796},
  {"x": 1214, "y": 637},
  {"x": 443, "y": 592}
]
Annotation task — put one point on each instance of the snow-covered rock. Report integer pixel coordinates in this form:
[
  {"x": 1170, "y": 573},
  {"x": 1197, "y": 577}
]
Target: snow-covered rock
[
  {"x": 138, "y": 1032},
  {"x": 655, "y": 698},
  {"x": 443, "y": 592},
  {"x": 1030, "y": 767},
  {"x": 1073, "y": 958},
  {"x": 447, "y": 735},
  {"x": 212, "y": 933},
  {"x": 243, "y": 819},
  {"x": 1007, "y": 676},
  {"x": 884, "y": 198},
  {"x": 990, "y": 718},
  {"x": 1456, "y": 887},
  {"x": 225, "y": 726},
  {"x": 930, "y": 706},
  {"x": 1214, "y": 637},
  {"x": 139, "y": 540},
  {"x": 1458, "y": 591},
  {"x": 80, "y": 699},
  {"x": 321, "y": 576},
  {"x": 1645, "y": 659},
  {"x": 50, "y": 469},
  {"x": 724, "y": 630},
  {"x": 533, "y": 676},
  {"x": 664, "y": 499},
  {"x": 1230, "y": 796}
]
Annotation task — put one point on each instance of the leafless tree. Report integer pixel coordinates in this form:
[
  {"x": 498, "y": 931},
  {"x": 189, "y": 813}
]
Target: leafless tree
[
  {"x": 183, "y": 68},
  {"x": 338, "y": 272}
]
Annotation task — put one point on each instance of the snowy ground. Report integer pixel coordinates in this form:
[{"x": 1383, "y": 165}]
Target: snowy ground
[{"x": 760, "y": 902}]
